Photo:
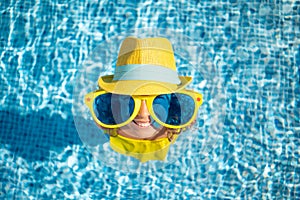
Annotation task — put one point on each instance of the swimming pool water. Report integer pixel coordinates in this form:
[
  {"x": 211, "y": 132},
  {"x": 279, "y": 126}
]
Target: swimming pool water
[{"x": 246, "y": 54}]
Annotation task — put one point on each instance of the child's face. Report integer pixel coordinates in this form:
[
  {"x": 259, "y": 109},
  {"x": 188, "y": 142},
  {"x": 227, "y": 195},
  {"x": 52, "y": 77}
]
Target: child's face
[{"x": 141, "y": 127}]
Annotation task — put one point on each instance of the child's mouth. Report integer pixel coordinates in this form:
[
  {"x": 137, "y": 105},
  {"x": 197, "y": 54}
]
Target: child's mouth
[
  {"x": 140, "y": 129},
  {"x": 142, "y": 124}
]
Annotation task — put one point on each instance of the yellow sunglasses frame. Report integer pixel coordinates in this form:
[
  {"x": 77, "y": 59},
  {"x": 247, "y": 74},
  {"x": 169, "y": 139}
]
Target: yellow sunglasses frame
[{"x": 90, "y": 97}]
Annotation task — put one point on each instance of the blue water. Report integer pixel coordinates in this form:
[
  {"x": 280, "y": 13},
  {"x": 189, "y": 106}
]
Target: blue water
[{"x": 246, "y": 57}]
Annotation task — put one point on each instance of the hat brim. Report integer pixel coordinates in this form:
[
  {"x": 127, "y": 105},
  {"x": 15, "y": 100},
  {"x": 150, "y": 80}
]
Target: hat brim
[{"x": 141, "y": 87}]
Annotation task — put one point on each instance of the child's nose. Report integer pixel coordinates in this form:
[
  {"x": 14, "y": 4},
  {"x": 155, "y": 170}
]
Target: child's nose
[{"x": 143, "y": 112}]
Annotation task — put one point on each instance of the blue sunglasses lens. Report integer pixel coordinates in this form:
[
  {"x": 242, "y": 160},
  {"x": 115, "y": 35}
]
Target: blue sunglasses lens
[
  {"x": 112, "y": 109},
  {"x": 160, "y": 106},
  {"x": 174, "y": 109}
]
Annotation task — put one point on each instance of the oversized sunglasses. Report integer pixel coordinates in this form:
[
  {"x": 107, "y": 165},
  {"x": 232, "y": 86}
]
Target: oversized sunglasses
[{"x": 174, "y": 110}]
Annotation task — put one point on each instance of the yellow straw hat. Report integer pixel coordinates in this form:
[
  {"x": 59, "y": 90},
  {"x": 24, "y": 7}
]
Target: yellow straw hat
[{"x": 144, "y": 67}]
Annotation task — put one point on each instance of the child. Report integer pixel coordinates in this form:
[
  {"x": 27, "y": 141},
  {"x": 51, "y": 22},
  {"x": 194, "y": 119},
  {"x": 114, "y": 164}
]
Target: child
[{"x": 144, "y": 105}]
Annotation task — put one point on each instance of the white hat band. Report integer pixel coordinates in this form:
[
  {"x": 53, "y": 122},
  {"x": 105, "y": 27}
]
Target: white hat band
[{"x": 146, "y": 72}]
